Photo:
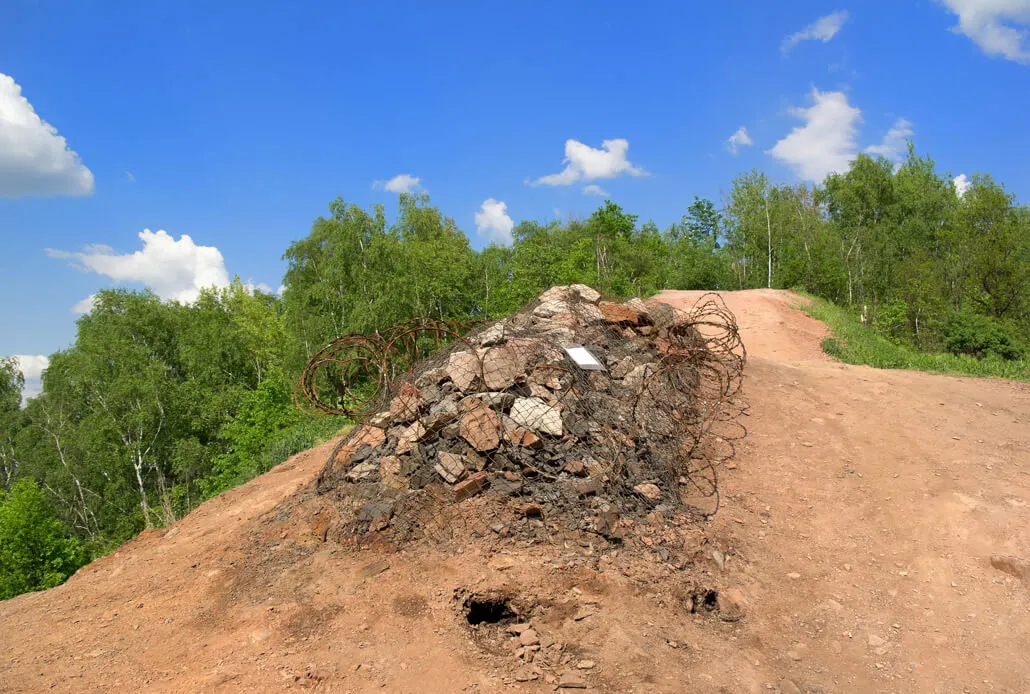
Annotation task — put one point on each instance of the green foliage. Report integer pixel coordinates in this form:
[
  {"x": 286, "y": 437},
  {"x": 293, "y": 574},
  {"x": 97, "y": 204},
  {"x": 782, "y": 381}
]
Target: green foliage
[
  {"x": 854, "y": 343},
  {"x": 35, "y": 551},
  {"x": 267, "y": 429},
  {"x": 976, "y": 335}
]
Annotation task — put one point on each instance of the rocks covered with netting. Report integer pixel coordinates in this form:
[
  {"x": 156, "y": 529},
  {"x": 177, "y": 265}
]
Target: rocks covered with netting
[{"x": 573, "y": 415}]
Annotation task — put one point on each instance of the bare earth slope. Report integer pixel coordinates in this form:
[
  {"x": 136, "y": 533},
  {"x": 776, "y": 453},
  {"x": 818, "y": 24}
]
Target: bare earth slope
[{"x": 858, "y": 520}]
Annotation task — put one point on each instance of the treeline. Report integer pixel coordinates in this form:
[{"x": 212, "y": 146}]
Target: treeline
[{"x": 158, "y": 405}]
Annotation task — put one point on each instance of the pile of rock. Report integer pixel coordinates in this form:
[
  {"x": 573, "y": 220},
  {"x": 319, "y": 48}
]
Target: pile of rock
[{"x": 517, "y": 415}]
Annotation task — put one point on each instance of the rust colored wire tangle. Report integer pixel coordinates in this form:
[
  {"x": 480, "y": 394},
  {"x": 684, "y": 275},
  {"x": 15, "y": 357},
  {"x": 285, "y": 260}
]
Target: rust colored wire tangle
[{"x": 358, "y": 368}]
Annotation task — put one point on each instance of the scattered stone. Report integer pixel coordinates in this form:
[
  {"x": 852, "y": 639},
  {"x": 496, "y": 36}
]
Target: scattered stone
[
  {"x": 584, "y": 612},
  {"x": 406, "y": 405},
  {"x": 440, "y": 415},
  {"x": 586, "y": 665},
  {"x": 391, "y": 473},
  {"x": 501, "y": 366},
  {"x": 472, "y": 486},
  {"x": 361, "y": 471},
  {"x": 732, "y": 604},
  {"x": 576, "y": 467},
  {"x": 474, "y": 461},
  {"x": 547, "y": 309},
  {"x": 588, "y": 313},
  {"x": 410, "y": 437},
  {"x": 376, "y": 514},
  {"x": 498, "y": 401},
  {"x": 450, "y": 466},
  {"x": 505, "y": 487},
  {"x": 362, "y": 454},
  {"x": 537, "y": 415},
  {"x": 381, "y": 419},
  {"x": 523, "y": 437},
  {"x": 794, "y": 575},
  {"x": 619, "y": 313},
  {"x": 529, "y": 637},
  {"x": 494, "y": 335},
  {"x": 481, "y": 427},
  {"x": 720, "y": 559},
  {"x": 571, "y": 680},
  {"x": 649, "y": 491},
  {"x": 588, "y": 294},
  {"x": 1014, "y": 566},
  {"x": 366, "y": 435},
  {"x": 636, "y": 377},
  {"x": 525, "y": 674},
  {"x": 587, "y": 486},
  {"x": 463, "y": 368}
]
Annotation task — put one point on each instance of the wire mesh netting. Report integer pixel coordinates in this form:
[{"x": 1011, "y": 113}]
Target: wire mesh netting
[{"x": 574, "y": 415}]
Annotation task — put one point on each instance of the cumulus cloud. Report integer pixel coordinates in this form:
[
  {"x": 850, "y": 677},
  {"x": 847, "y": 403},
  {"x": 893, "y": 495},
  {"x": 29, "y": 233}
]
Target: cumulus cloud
[
  {"x": 822, "y": 29},
  {"x": 31, "y": 366},
  {"x": 826, "y": 142},
  {"x": 998, "y": 27},
  {"x": 493, "y": 222},
  {"x": 86, "y": 305},
  {"x": 34, "y": 158},
  {"x": 962, "y": 184},
  {"x": 594, "y": 189},
  {"x": 894, "y": 142},
  {"x": 738, "y": 139},
  {"x": 584, "y": 163},
  {"x": 401, "y": 183},
  {"x": 172, "y": 269}
]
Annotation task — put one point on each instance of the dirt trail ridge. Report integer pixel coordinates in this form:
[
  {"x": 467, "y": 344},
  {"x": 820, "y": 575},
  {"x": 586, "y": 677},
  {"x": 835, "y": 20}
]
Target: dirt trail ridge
[{"x": 857, "y": 526}]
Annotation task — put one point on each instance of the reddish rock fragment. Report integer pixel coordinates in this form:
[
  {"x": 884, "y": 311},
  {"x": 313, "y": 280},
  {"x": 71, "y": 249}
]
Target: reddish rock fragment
[
  {"x": 472, "y": 486},
  {"x": 619, "y": 313},
  {"x": 481, "y": 427}
]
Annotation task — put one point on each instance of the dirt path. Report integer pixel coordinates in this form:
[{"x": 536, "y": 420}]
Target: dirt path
[{"x": 857, "y": 522}]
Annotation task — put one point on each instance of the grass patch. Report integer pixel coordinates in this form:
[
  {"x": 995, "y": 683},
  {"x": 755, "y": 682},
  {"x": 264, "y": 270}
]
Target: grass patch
[{"x": 853, "y": 343}]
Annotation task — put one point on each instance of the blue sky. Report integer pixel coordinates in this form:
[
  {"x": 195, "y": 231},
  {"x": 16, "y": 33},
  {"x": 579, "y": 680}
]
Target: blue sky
[{"x": 236, "y": 123}]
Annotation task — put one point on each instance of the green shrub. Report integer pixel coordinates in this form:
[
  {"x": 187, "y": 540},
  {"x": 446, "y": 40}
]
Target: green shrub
[
  {"x": 35, "y": 551},
  {"x": 980, "y": 336},
  {"x": 891, "y": 321}
]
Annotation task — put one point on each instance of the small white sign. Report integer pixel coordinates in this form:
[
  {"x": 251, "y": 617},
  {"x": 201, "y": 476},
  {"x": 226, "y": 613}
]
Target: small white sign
[{"x": 583, "y": 358}]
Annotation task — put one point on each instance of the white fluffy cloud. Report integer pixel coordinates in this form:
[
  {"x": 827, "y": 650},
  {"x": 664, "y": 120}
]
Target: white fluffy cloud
[
  {"x": 31, "y": 366},
  {"x": 584, "y": 163},
  {"x": 962, "y": 184},
  {"x": 594, "y": 189},
  {"x": 894, "y": 142},
  {"x": 401, "y": 183},
  {"x": 738, "y": 139},
  {"x": 34, "y": 159},
  {"x": 493, "y": 222},
  {"x": 998, "y": 27},
  {"x": 173, "y": 269},
  {"x": 822, "y": 29},
  {"x": 826, "y": 142},
  {"x": 86, "y": 305}
]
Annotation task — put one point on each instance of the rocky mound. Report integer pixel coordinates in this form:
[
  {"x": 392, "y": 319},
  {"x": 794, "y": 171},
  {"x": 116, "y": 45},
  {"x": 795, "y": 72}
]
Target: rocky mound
[{"x": 575, "y": 415}]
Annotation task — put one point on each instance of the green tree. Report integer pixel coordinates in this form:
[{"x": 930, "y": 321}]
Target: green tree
[
  {"x": 35, "y": 551},
  {"x": 11, "y": 384}
]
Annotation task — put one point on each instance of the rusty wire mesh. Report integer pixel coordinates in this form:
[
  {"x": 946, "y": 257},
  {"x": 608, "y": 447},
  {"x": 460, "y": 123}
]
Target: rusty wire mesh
[{"x": 475, "y": 429}]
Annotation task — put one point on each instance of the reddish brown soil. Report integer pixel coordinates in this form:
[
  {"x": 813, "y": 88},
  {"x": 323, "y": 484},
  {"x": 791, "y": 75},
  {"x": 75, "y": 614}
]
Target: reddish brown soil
[{"x": 858, "y": 520}]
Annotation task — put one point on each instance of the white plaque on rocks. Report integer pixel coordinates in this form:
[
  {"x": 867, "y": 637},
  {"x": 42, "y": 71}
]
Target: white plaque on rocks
[{"x": 582, "y": 357}]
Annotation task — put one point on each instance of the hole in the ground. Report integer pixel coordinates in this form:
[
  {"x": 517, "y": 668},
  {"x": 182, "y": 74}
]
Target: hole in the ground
[
  {"x": 705, "y": 601},
  {"x": 489, "y": 609}
]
